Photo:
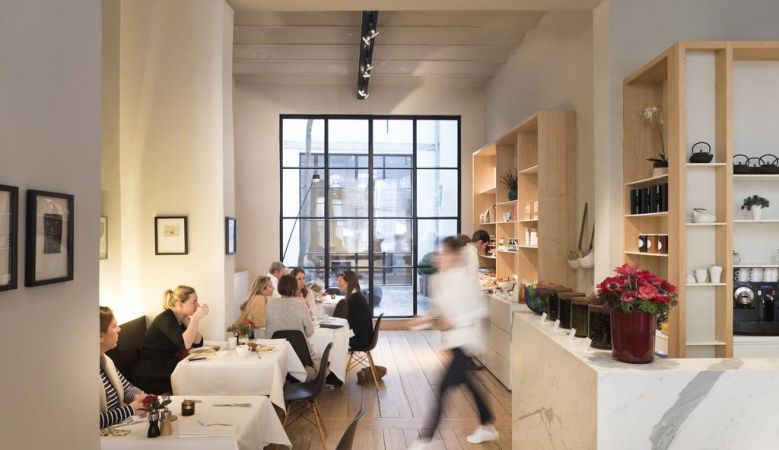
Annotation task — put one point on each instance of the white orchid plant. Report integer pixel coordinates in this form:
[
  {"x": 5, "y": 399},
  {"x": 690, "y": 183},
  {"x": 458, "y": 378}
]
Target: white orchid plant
[{"x": 654, "y": 115}]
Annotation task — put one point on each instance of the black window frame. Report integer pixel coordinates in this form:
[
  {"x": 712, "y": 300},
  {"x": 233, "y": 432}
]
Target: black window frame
[{"x": 371, "y": 218}]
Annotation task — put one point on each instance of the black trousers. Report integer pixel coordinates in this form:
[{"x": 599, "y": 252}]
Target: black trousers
[{"x": 457, "y": 374}]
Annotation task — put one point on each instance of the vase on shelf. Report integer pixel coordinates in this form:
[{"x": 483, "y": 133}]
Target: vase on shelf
[
  {"x": 757, "y": 212},
  {"x": 512, "y": 194},
  {"x": 633, "y": 337},
  {"x": 658, "y": 171}
]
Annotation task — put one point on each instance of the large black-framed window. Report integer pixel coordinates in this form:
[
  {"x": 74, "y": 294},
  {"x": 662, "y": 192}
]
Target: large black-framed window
[{"x": 389, "y": 190}]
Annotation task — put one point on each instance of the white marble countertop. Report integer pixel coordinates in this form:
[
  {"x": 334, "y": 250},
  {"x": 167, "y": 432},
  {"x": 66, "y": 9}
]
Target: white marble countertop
[
  {"x": 505, "y": 299},
  {"x": 602, "y": 361}
]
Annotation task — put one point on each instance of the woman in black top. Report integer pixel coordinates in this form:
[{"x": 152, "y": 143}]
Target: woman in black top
[
  {"x": 168, "y": 339},
  {"x": 354, "y": 308}
]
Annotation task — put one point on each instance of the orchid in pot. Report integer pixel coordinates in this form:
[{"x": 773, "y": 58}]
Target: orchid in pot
[
  {"x": 654, "y": 116},
  {"x": 635, "y": 298}
]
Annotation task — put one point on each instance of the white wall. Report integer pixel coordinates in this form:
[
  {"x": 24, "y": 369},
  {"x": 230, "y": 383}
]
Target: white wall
[
  {"x": 635, "y": 31},
  {"x": 175, "y": 155},
  {"x": 257, "y": 110},
  {"x": 552, "y": 70},
  {"x": 50, "y": 140}
]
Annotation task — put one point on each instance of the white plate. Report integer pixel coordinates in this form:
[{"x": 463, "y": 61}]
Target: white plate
[{"x": 275, "y": 349}]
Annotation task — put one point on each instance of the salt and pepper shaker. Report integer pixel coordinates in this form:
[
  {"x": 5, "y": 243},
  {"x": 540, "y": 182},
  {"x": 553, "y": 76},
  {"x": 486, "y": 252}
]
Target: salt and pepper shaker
[{"x": 166, "y": 422}]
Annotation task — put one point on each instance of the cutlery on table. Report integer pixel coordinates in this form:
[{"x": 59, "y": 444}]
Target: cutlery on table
[
  {"x": 238, "y": 405},
  {"x": 213, "y": 424}
]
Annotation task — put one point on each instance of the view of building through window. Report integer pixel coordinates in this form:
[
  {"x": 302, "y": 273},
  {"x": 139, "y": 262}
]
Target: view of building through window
[{"x": 388, "y": 191}]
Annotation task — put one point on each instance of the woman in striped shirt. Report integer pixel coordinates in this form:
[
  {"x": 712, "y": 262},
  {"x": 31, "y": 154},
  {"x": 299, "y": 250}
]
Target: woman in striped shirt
[{"x": 119, "y": 399}]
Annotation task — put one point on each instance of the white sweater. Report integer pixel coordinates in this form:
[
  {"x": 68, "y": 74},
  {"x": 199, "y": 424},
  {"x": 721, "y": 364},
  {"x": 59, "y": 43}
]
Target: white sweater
[{"x": 457, "y": 296}]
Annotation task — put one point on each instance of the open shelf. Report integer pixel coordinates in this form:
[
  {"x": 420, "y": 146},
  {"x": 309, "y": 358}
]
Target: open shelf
[
  {"x": 739, "y": 266},
  {"x": 756, "y": 221},
  {"x": 510, "y": 221},
  {"x": 714, "y": 224},
  {"x": 705, "y": 284},
  {"x": 529, "y": 170},
  {"x": 657, "y": 214},
  {"x": 756, "y": 177},
  {"x": 648, "y": 181},
  {"x": 506, "y": 251},
  {"x": 698, "y": 343},
  {"x": 528, "y": 221},
  {"x": 658, "y": 255},
  {"x": 534, "y": 247},
  {"x": 488, "y": 191},
  {"x": 487, "y": 256},
  {"x": 709, "y": 165},
  {"x": 511, "y": 202}
]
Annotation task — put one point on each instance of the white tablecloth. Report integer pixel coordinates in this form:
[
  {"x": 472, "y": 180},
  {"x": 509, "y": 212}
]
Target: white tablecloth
[
  {"x": 339, "y": 354},
  {"x": 256, "y": 427},
  {"x": 328, "y": 304},
  {"x": 233, "y": 375}
]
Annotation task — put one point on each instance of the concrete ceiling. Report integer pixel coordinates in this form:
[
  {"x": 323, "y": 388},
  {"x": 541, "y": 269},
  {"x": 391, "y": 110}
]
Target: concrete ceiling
[{"x": 446, "y": 47}]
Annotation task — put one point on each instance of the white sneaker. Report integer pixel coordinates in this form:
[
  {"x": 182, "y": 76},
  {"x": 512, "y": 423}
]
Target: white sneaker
[
  {"x": 483, "y": 434},
  {"x": 420, "y": 444}
]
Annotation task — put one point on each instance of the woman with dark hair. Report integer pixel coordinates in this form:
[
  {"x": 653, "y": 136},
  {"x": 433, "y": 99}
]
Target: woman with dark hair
[
  {"x": 302, "y": 292},
  {"x": 169, "y": 338},
  {"x": 119, "y": 399},
  {"x": 456, "y": 308},
  {"x": 354, "y": 308},
  {"x": 287, "y": 312}
]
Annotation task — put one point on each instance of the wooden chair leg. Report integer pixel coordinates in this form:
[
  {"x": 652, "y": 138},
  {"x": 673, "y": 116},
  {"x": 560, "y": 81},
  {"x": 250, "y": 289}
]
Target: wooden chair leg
[
  {"x": 373, "y": 371},
  {"x": 319, "y": 424},
  {"x": 349, "y": 362}
]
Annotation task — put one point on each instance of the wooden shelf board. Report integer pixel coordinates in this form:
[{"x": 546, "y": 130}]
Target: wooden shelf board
[
  {"x": 740, "y": 266},
  {"x": 487, "y": 223},
  {"x": 710, "y": 165},
  {"x": 657, "y": 214},
  {"x": 756, "y": 221},
  {"x": 704, "y": 342},
  {"x": 756, "y": 177},
  {"x": 659, "y": 255},
  {"x": 505, "y": 251},
  {"x": 488, "y": 191},
  {"x": 488, "y": 257},
  {"x": 705, "y": 284},
  {"x": 510, "y": 221},
  {"x": 511, "y": 202},
  {"x": 534, "y": 247},
  {"x": 528, "y": 220},
  {"x": 648, "y": 181},
  {"x": 715, "y": 224},
  {"x": 529, "y": 170}
]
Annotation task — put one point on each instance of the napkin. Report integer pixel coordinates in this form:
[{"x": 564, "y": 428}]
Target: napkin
[{"x": 197, "y": 430}]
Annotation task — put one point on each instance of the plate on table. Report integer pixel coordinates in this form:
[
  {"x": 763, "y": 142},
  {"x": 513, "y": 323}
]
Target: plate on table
[
  {"x": 196, "y": 351},
  {"x": 266, "y": 348}
]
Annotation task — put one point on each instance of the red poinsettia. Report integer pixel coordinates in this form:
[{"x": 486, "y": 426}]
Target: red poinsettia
[{"x": 634, "y": 290}]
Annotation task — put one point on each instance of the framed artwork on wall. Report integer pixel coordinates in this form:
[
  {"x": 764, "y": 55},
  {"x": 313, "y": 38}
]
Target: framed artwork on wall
[
  {"x": 103, "y": 237},
  {"x": 49, "y": 240},
  {"x": 230, "y": 233},
  {"x": 9, "y": 218},
  {"x": 170, "y": 235}
]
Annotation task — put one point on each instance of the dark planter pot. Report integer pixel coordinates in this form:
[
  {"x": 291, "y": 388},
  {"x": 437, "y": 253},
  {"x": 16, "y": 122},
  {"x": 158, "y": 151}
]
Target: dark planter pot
[
  {"x": 633, "y": 337},
  {"x": 512, "y": 194}
]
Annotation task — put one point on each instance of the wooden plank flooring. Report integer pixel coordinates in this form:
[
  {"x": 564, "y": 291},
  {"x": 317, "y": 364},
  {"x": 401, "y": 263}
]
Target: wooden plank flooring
[{"x": 395, "y": 414}]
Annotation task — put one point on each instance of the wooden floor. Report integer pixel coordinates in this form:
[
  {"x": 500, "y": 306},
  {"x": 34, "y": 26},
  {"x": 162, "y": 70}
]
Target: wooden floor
[{"x": 395, "y": 414}]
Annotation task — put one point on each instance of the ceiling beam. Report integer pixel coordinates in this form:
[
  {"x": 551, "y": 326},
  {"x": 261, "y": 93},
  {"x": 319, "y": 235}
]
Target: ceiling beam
[{"x": 413, "y": 5}]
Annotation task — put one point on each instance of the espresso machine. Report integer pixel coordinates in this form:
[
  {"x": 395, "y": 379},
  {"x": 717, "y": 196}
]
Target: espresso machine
[{"x": 755, "y": 308}]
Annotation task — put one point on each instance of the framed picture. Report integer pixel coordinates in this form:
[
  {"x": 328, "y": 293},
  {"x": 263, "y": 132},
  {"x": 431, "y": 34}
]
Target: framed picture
[
  {"x": 9, "y": 212},
  {"x": 230, "y": 233},
  {"x": 103, "y": 237},
  {"x": 49, "y": 240},
  {"x": 170, "y": 235}
]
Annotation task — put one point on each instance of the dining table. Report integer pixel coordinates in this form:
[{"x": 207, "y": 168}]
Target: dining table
[
  {"x": 329, "y": 303},
  {"x": 225, "y": 372},
  {"x": 327, "y": 330},
  {"x": 219, "y": 423}
]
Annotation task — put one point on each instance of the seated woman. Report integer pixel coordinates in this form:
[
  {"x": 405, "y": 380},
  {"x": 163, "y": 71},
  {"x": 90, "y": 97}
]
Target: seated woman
[
  {"x": 303, "y": 293},
  {"x": 168, "y": 339},
  {"x": 253, "y": 308},
  {"x": 287, "y": 312},
  {"x": 354, "y": 308},
  {"x": 119, "y": 399}
]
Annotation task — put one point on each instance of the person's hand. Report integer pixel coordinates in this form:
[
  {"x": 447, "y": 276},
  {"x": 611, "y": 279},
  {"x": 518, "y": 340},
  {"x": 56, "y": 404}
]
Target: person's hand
[
  {"x": 444, "y": 323},
  {"x": 140, "y": 397},
  {"x": 137, "y": 404},
  {"x": 201, "y": 312}
]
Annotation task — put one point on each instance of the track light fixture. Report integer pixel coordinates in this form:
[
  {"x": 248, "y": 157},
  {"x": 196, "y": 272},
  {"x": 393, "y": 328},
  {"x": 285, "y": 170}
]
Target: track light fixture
[{"x": 370, "y": 20}]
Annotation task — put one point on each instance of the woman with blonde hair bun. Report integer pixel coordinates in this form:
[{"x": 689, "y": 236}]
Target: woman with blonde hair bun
[
  {"x": 253, "y": 307},
  {"x": 168, "y": 339}
]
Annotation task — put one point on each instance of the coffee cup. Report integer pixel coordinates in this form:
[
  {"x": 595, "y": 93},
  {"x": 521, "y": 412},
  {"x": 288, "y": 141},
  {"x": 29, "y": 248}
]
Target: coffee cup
[
  {"x": 242, "y": 350},
  {"x": 715, "y": 273},
  {"x": 756, "y": 274},
  {"x": 701, "y": 275}
]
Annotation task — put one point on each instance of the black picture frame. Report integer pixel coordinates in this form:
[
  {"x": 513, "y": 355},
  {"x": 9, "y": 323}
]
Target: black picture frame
[
  {"x": 171, "y": 235},
  {"x": 9, "y": 237},
  {"x": 49, "y": 232},
  {"x": 231, "y": 233}
]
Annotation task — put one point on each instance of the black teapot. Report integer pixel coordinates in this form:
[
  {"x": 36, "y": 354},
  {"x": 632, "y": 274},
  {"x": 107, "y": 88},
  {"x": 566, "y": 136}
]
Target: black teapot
[
  {"x": 701, "y": 153},
  {"x": 769, "y": 164}
]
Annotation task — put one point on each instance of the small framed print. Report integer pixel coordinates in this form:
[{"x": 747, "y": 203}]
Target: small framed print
[
  {"x": 9, "y": 218},
  {"x": 49, "y": 240},
  {"x": 170, "y": 235},
  {"x": 230, "y": 232},
  {"x": 103, "y": 237}
]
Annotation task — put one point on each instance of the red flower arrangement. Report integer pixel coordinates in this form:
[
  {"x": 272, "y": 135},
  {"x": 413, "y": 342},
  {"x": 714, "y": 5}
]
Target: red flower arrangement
[
  {"x": 244, "y": 329},
  {"x": 633, "y": 290},
  {"x": 152, "y": 402}
]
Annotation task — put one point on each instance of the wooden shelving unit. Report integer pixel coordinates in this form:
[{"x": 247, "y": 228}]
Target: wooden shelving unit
[{"x": 693, "y": 84}]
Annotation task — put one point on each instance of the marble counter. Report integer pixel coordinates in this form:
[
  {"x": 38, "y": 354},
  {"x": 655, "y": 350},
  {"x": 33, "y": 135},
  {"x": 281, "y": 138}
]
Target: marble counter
[{"x": 568, "y": 396}]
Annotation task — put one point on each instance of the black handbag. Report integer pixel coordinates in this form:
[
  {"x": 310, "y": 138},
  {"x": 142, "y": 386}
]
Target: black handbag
[
  {"x": 701, "y": 153},
  {"x": 769, "y": 164}
]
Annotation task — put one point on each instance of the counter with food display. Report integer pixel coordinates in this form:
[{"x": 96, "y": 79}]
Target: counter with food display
[{"x": 568, "y": 395}]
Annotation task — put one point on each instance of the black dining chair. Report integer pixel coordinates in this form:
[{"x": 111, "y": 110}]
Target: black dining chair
[
  {"x": 362, "y": 356},
  {"x": 299, "y": 344},
  {"x": 302, "y": 397},
  {"x": 348, "y": 437}
]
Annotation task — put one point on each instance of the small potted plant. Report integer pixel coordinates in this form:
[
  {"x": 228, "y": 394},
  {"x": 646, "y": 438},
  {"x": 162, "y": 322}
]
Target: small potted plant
[
  {"x": 654, "y": 116},
  {"x": 755, "y": 204},
  {"x": 242, "y": 330},
  {"x": 635, "y": 298},
  {"x": 509, "y": 179}
]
